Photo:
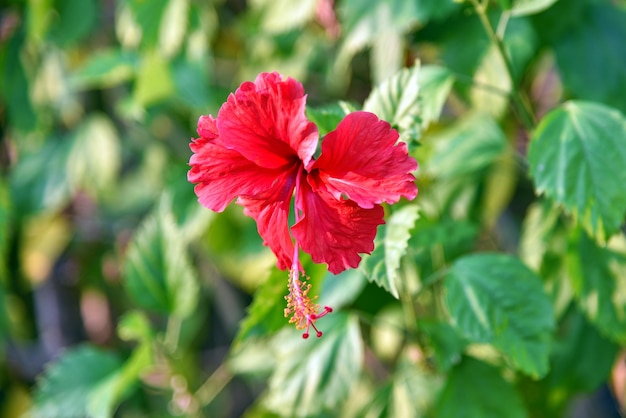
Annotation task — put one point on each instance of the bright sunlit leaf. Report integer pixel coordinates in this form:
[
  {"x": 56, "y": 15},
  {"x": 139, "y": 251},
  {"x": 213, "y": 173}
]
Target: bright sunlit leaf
[
  {"x": 390, "y": 245},
  {"x": 315, "y": 375}
]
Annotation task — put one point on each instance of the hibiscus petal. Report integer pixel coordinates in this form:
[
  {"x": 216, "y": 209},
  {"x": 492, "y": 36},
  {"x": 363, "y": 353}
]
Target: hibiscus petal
[
  {"x": 335, "y": 231},
  {"x": 221, "y": 174},
  {"x": 265, "y": 122},
  {"x": 271, "y": 212},
  {"x": 361, "y": 160}
]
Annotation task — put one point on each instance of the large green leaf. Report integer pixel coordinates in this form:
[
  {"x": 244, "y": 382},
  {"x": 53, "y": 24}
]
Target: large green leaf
[
  {"x": 315, "y": 375},
  {"x": 495, "y": 299},
  {"x": 382, "y": 265},
  {"x": 66, "y": 387},
  {"x": 597, "y": 35},
  {"x": 577, "y": 157},
  {"x": 598, "y": 276},
  {"x": 157, "y": 271},
  {"x": 477, "y": 390}
]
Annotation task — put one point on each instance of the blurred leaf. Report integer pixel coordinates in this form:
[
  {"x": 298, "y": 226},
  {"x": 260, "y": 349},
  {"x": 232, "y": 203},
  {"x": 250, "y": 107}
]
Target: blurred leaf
[
  {"x": 583, "y": 359},
  {"x": 597, "y": 36},
  {"x": 154, "y": 80},
  {"x": 410, "y": 393},
  {"x": 316, "y": 374},
  {"x": 499, "y": 188},
  {"x": 73, "y": 20},
  {"x": 67, "y": 385},
  {"x": 135, "y": 326},
  {"x": 447, "y": 345},
  {"x": 396, "y": 100},
  {"x": 157, "y": 271},
  {"x": 527, "y": 7},
  {"x": 436, "y": 242},
  {"x": 488, "y": 297},
  {"x": 94, "y": 159},
  {"x": 148, "y": 16},
  {"x": 191, "y": 82},
  {"x": 39, "y": 181},
  {"x": 173, "y": 27},
  {"x": 106, "y": 68},
  {"x": 266, "y": 313},
  {"x": 435, "y": 83},
  {"x": 15, "y": 86},
  {"x": 285, "y": 15},
  {"x": 342, "y": 289},
  {"x": 390, "y": 245},
  {"x": 476, "y": 390},
  {"x": 597, "y": 274},
  {"x": 467, "y": 148},
  {"x": 577, "y": 157},
  {"x": 5, "y": 228}
]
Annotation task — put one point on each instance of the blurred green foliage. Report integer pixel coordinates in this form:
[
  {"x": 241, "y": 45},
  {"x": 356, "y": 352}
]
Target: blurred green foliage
[{"x": 500, "y": 291}]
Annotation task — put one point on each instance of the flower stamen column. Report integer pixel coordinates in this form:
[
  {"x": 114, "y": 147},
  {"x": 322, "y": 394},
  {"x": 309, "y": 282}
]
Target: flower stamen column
[{"x": 299, "y": 304}]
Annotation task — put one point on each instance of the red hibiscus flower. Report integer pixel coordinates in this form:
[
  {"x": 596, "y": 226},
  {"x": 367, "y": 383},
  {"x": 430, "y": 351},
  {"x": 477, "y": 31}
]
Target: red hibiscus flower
[{"x": 260, "y": 150}]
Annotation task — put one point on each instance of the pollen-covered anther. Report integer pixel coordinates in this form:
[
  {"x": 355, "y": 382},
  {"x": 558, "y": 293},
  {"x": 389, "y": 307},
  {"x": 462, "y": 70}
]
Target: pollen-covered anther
[{"x": 304, "y": 312}]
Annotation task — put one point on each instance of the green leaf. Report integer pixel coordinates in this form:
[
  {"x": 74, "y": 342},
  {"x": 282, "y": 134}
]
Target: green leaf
[
  {"x": 328, "y": 117},
  {"x": 66, "y": 386},
  {"x": 435, "y": 85},
  {"x": 435, "y": 242},
  {"x": 73, "y": 20},
  {"x": 154, "y": 80},
  {"x": 15, "y": 86},
  {"x": 396, "y": 100},
  {"x": 598, "y": 276},
  {"x": 583, "y": 358},
  {"x": 495, "y": 299},
  {"x": 266, "y": 313},
  {"x": 527, "y": 7},
  {"x": 410, "y": 393},
  {"x": 468, "y": 148},
  {"x": 577, "y": 157},
  {"x": 39, "y": 181},
  {"x": 148, "y": 16},
  {"x": 477, "y": 390},
  {"x": 597, "y": 35},
  {"x": 314, "y": 375},
  {"x": 390, "y": 245},
  {"x": 157, "y": 271},
  {"x": 106, "y": 68},
  {"x": 447, "y": 345}
]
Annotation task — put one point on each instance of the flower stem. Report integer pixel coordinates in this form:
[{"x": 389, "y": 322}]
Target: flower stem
[
  {"x": 519, "y": 102},
  {"x": 213, "y": 385}
]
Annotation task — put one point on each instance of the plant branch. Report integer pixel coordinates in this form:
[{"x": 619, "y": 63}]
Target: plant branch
[{"x": 520, "y": 104}]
